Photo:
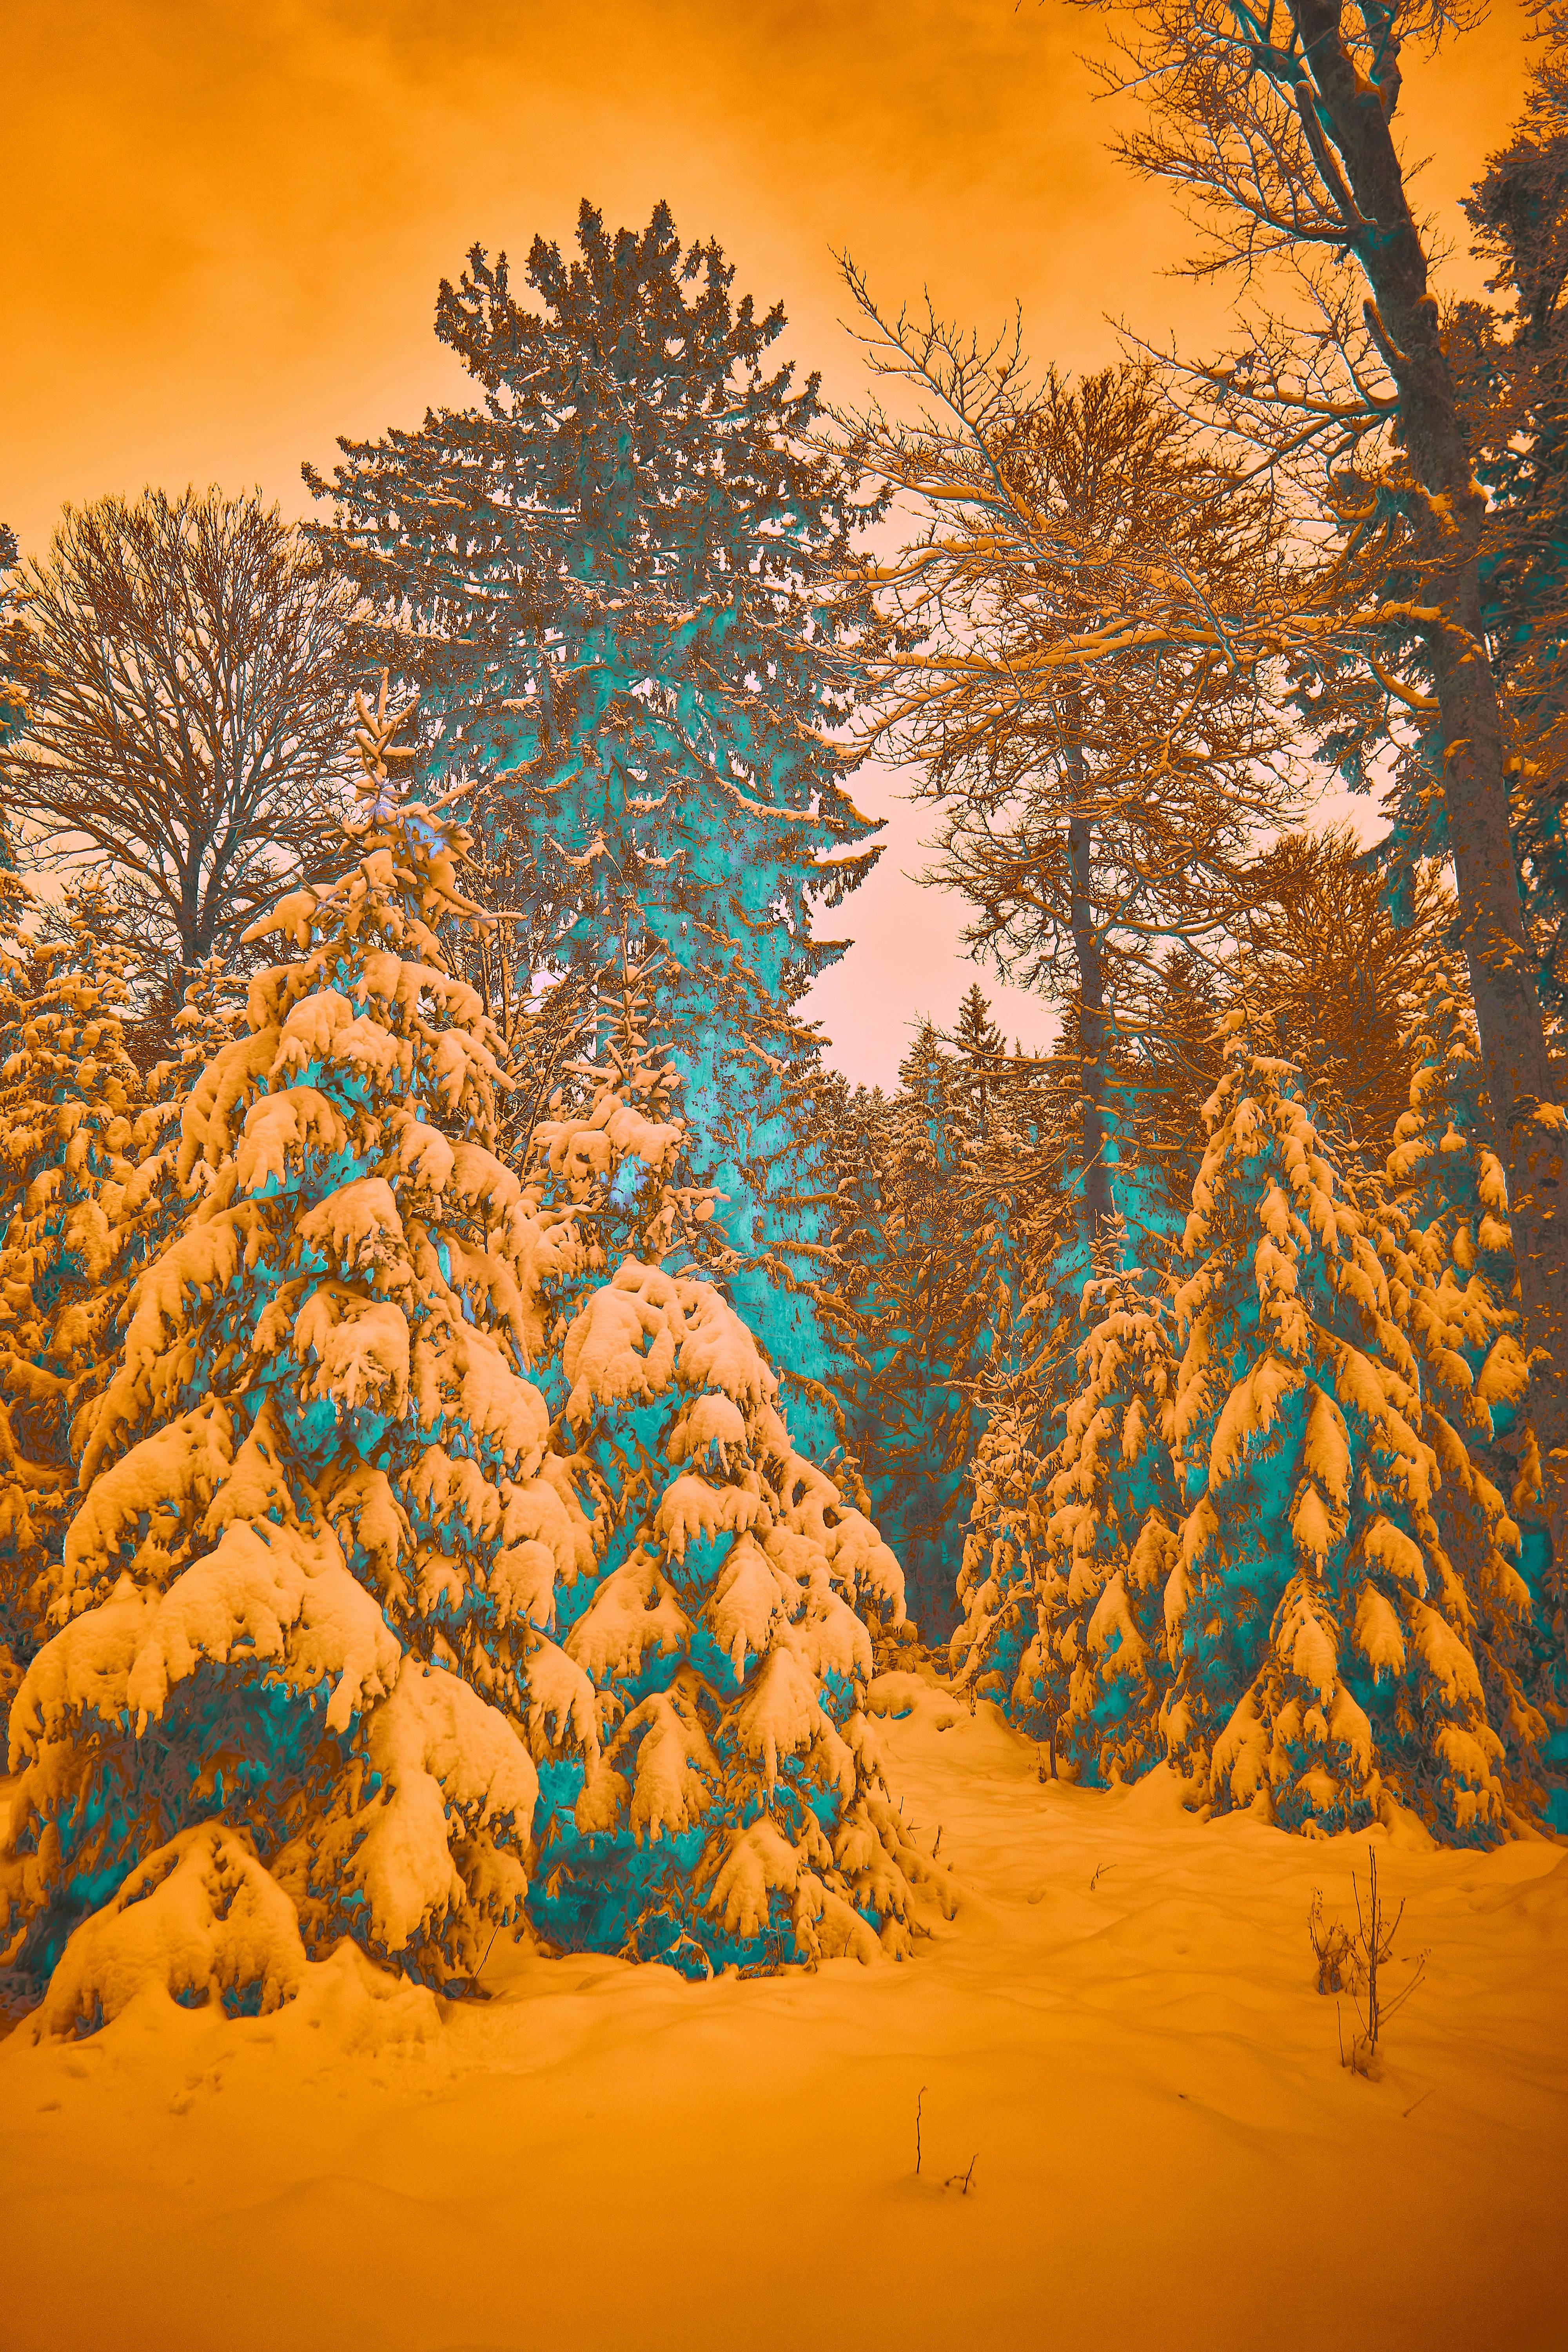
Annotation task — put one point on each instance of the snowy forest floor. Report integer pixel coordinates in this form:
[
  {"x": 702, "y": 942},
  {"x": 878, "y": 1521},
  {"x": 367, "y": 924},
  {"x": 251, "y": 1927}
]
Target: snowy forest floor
[{"x": 1120, "y": 2026}]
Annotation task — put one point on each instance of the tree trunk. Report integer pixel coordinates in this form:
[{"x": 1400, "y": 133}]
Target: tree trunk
[
  {"x": 1096, "y": 1199},
  {"x": 1447, "y": 509}
]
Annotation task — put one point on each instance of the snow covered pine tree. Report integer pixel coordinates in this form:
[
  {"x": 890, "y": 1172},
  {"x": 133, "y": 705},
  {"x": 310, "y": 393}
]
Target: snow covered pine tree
[
  {"x": 737, "y": 1813},
  {"x": 1092, "y": 1680},
  {"x": 315, "y": 1490},
  {"x": 1325, "y": 1642},
  {"x": 1448, "y": 1246},
  {"x": 304, "y": 1680},
  {"x": 69, "y": 1098}
]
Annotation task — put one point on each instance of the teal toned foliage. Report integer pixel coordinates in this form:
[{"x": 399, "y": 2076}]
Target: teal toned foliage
[
  {"x": 1327, "y": 1644},
  {"x": 965, "y": 1178},
  {"x": 1097, "y": 1671},
  {"x": 614, "y": 584},
  {"x": 1267, "y": 1545},
  {"x": 69, "y": 1099},
  {"x": 736, "y": 1813},
  {"x": 1447, "y": 1211}
]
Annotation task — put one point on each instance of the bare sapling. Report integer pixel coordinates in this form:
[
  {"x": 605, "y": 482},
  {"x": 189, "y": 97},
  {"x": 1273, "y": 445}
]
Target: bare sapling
[
  {"x": 1334, "y": 1948},
  {"x": 1358, "y": 1964}
]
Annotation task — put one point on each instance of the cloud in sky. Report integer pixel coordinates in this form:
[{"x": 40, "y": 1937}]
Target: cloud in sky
[{"x": 227, "y": 224}]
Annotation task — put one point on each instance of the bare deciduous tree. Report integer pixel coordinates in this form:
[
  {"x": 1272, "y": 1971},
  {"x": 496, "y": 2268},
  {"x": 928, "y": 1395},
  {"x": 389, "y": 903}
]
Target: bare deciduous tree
[
  {"x": 187, "y": 719},
  {"x": 1056, "y": 666}
]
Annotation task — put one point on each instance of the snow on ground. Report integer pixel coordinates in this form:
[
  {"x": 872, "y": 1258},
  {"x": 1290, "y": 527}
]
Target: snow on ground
[{"x": 1120, "y": 2028}]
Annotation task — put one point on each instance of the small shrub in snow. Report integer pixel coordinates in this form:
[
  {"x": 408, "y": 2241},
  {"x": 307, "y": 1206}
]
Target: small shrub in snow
[{"x": 1357, "y": 1964}]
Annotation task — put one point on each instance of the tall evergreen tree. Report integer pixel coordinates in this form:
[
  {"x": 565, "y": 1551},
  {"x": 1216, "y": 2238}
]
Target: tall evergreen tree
[
  {"x": 964, "y": 1170},
  {"x": 612, "y": 582}
]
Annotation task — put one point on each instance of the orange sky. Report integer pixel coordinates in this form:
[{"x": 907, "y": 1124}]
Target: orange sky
[{"x": 226, "y": 225}]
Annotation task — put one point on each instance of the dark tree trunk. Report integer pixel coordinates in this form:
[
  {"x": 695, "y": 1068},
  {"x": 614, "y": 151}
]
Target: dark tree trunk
[
  {"x": 1339, "y": 105},
  {"x": 1097, "y": 1203}
]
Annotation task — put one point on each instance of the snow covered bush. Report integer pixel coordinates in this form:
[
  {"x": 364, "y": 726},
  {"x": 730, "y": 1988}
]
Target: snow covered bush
[{"x": 1326, "y": 1646}]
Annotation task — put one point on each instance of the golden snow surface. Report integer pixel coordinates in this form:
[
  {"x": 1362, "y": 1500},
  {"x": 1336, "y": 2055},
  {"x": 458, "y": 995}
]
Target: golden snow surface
[{"x": 1123, "y": 2051}]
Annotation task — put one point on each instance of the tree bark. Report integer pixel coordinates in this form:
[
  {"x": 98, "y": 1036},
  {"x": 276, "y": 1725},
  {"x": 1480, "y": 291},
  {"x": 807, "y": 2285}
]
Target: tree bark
[
  {"x": 1446, "y": 512},
  {"x": 1095, "y": 1197}
]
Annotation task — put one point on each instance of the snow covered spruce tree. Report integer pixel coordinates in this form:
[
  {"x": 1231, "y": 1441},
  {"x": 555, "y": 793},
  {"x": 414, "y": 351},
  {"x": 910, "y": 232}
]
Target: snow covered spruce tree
[
  {"x": 297, "y": 1671},
  {"x": 963, "y": 1177},
  {"x": 1449, "y": 1244},
  {"x": 994, "y": 1593},
  {"x": 1447, "y": 1189},
  {"x": 736, "y": 1813},
  {"x": 70, "y": 1095},
  {"x": 1091, "y": 1682},
  {"x": 1326, "y": 1646},
  {"x": 614, "y": 586}
]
